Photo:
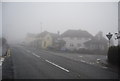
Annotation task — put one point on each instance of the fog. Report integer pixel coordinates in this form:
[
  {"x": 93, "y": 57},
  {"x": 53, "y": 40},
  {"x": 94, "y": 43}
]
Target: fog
[
  {"x": 0, "y": 19},
  {"x": 18, "y": 19}
]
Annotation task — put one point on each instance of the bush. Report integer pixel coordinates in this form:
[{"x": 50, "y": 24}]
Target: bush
[{"x": 113, "y": 56}]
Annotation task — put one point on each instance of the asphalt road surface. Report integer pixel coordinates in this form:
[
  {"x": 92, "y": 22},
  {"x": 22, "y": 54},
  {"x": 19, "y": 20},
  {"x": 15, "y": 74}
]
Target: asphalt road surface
[{"x": 33, "y": 64}]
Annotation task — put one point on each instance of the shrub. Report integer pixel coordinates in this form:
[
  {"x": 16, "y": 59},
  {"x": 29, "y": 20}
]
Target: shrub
[{"x": 113, "y": 56}]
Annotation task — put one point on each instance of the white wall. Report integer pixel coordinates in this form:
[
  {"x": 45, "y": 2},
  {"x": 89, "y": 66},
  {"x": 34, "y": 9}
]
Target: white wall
[{"x": 75, "y": 41}]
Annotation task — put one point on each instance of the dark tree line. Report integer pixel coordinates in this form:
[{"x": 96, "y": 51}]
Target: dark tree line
[
  {"x": 3, "y": 41},
  {"x": 113, "y": 56}
]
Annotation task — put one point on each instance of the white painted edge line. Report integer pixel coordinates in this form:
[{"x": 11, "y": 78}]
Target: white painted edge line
[
  {"x": 36, "y": 55},
  {"x": 104, "y": 67},
  {"x": 57, "y": 66},
  {"x": 80, "y": 56},
  {"x": 98, "y": 59},
  {"x": 91, "y": 63},
  {"x": 82, "y": 60},
  {"x": 97, "y": 62},
  {"x": 2, "y": 59}
]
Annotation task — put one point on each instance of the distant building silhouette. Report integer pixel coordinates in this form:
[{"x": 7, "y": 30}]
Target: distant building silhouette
[
  {"x": 45, "y": 40},
  {"x": 75, "y": 39},
  {"x": 98, "y": 42},
  {"x": 29, "y": 38}
]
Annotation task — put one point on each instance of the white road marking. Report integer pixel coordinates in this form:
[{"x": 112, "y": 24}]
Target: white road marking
[
  {"x": 97, "y": 62},
  {"x": 2, "y": 59},
  {"x": 82, "y": 60},
  {"x": 91, "y": 63},
  {"x": 105, "y": 67},
  {"x": 36, "y": 55},
  {"x": 80, "y": 56},
  {"x": 98, "y": 59},
  {"x": 57, "y": 66},
  {"x": 33, "y": 53}
]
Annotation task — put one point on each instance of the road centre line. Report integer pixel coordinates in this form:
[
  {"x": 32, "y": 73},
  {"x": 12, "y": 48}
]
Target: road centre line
[
  {"x": 57, "y": 66},
  {"x": 35, "y": 55},
  {"x": 82, "y": 60}
]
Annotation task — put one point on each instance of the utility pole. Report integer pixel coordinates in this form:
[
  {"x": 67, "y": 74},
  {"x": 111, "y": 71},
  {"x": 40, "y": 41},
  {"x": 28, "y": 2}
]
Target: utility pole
[{"x": 118, "y": 37}]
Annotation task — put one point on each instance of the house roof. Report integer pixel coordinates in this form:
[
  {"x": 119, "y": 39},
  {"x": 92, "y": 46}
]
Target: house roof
[
  {"x": 76, "y": 33},
  {"x": 97, "y": 39},
  {"x": 43, "y": 34}
]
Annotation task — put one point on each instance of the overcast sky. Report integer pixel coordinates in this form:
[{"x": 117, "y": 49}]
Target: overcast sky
[
  {"x": 0, "y": 19},
  {"x": 21, "y": 18}
]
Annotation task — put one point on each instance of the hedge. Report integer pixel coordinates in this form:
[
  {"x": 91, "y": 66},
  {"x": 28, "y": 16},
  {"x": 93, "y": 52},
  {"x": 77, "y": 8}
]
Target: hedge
[{"x": 113, "y": 56}]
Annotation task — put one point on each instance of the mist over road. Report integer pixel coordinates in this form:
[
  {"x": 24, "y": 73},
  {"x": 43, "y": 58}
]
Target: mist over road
[{"x": 33, "y": 64}]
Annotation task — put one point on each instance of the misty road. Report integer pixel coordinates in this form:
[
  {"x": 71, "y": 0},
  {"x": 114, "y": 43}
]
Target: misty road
[
  {"x": 71, "y": 35},
  {"x": 33, "y": 64}
]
